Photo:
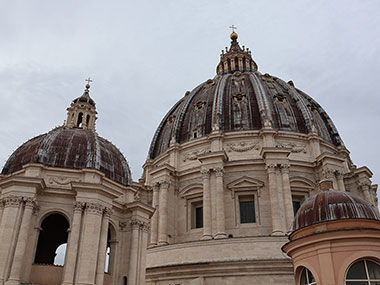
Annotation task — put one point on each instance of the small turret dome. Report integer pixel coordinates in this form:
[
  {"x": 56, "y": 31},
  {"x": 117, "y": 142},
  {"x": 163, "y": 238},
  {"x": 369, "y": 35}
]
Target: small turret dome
[
  {"x": 76, "y": 145},
  {"x": 333, "y": 205}
]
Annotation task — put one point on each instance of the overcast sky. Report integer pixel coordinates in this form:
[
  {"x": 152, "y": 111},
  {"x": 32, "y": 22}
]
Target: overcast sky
[{"x": 144, "y": 55}]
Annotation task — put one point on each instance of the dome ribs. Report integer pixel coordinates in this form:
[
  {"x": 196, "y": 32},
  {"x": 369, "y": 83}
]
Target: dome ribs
[
  {"x": 333, "y": 205},
  {"x": 72, "y": 148}
]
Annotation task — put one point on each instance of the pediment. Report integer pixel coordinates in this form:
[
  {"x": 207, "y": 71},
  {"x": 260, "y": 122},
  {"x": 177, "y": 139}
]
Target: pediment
[
  {"x": 245, "y": 182},
  {"x": 195, "y": 189}
]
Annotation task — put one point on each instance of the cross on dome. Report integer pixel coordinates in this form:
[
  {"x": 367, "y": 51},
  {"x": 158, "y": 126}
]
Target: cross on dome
[{"x": 233, "y": 27}]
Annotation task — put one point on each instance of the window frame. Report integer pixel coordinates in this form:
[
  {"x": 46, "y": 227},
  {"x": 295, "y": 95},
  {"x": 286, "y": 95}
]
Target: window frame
[
  {"x": 368, "y": 280},
  {"x": 305, "y": 269}
]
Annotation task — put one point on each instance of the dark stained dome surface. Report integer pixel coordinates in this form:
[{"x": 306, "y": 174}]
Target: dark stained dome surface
[
  {"x": 73, "y": 148},
  {"x": 333, "y": 205},
  {"x": 240, "y": 98}
]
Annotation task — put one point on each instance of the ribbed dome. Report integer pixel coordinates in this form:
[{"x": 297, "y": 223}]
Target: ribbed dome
[
  {"x": 333, "y": 205},
  {"x": 73, "y": 148},
  {"x": 240, "y": 98}
]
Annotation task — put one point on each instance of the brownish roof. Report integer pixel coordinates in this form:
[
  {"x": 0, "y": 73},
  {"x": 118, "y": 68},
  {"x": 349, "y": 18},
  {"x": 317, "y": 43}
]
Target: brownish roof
[
  {"x": 333, "y": 205},
  {"x": 73, "y": 148}
]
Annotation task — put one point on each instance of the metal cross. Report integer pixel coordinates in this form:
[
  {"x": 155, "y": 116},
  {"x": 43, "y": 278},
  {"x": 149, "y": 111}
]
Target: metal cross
[
  {"x": 233, "y": 28},
  {"x": 88, "y": 80}
]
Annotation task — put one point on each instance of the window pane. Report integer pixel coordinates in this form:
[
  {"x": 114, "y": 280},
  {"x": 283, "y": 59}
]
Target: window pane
[
  {"x": 303, "y": 277},
  {"x": 247, "y": 212},
  {"x": 310, "y": 275},
  {"x": 356, "y": 283},
  {"x": 373, "y": 270},
  {"x": 375, "y": 283},
  {"x": 296, "y": 206},
  {"x": 357, "y": 271},
  {"x": 199, "y": 217}
]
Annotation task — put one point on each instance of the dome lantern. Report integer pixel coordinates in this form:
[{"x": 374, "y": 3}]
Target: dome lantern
[
  {"x": 82, "y": 111},
  {"x": 235, "y": 58}
]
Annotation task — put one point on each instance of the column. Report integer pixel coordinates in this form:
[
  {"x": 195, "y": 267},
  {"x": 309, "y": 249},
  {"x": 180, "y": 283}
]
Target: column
[
  {"x": 339, "y": 177},
  {"x": 365, "y": 186},
  {"x": 8, "y": 224},
  {"x": 288, "y": 200},
  {"x": 163, "y": 214},
  {"x": 274, "y": 203},
  {"x": 154, "y": 228},
  {"x": 72, "y": 245},
  {"x": 220, "y": 220},
  {"x": 134, "y": 257},
  {"x": 102, "y": 251},
  {"x": 142, "y": 249},
  {"x": 89, "y": 244},
  {"x": 19, "y": 256},
  {"x": 207, "y": 233}
]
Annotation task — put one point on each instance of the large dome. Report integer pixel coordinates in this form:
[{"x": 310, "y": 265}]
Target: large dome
[
  {"x": 240, "y": 98},
  {"x": 76, "y": 145}
]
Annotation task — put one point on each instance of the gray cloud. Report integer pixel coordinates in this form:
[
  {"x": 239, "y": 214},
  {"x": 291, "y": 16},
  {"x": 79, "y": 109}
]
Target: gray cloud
[{"x": 144, "y": 55}]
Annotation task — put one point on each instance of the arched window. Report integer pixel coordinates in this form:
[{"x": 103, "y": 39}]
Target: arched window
[
  {"x": 53, "y": 234},
  {"x": 363, "y": 272},
  {"x": 307, "y": 277},
  {"x": 80, "y": 119}
]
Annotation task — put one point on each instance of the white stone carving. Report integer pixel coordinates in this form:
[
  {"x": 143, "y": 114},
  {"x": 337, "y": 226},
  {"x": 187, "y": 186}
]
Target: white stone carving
[{"x": 243, "y": 146}]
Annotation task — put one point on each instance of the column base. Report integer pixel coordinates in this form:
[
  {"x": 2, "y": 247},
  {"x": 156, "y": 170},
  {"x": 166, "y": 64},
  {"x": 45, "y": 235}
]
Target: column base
[
  {"x": 12, "y": 282},
  {"x": 206, "y": 237},
  {"x": 162, "y": 243},
  {"x": 220, "y": 235},
  {"x": 277, "y": 233}
]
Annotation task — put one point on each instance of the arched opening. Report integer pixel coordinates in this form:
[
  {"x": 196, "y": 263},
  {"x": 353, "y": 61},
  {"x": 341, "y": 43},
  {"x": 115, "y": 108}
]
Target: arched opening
[
  {"x": 363, "y": 271},
  {"x": 80, "y": 119},
  {"x": 52, "y": 237},
  {"x": 307, "y": 277},
  {"x": 87, "y": 119},
  {"x": 110, "y": 251}
]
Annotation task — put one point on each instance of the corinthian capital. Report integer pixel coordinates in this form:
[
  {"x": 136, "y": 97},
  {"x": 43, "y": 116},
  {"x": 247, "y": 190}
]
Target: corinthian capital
[
  {"x": 205, "y": 173},
  {"x": 108, "y": 212},
  {"x": 30, "y": 203},
  {"x": 164, "y": 184},
  {"x": 12, "y": 201},
  {"x": 364, "y": 185},
  {"x": 94, "y": 208},
  {"x": 271, "y": 167},
  {"x": 219, "y": 171},
  {"x": 285, "y": 167}
]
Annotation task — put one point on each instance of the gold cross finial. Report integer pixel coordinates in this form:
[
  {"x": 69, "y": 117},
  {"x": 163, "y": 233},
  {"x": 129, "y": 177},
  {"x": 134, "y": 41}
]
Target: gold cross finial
[
  {"x": 88, "y": 83},
  {"x": 88, "y": 80},
  {"x": 233, "y": 28}
]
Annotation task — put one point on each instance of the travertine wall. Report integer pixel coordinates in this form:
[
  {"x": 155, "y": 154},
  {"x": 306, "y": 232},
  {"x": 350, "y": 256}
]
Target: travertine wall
[{"x": 276, "y": 168}]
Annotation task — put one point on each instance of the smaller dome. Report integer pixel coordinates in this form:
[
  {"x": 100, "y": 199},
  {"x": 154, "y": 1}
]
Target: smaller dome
[
  {"x": 333, "y": 205},
  {"x": 72, "y": 148}
]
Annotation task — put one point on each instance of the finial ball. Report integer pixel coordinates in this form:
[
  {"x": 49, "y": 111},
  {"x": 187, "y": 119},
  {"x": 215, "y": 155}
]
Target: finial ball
[
  {"x": 234, "y": 36},
  {"x": 88, "y": 86}
]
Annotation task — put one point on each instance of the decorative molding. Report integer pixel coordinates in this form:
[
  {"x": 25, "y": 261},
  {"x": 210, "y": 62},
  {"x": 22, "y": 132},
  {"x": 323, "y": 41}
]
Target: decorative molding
[
  {"x": 62, "y": 180},
  {"x": 122, "y": 225},
  {"x": 107, "y": 212},
  {"x": 31, "y": 204},
  {"x": 164, "y": 184},
  {"x": 137, "y": 196},
  {"x": 270, "y": 167},
  {"x": 193, "y": 155},
  {"x": 295, "y": 147},
  {"x": 243, "y": 146},
  {"x": 94, "y": 208}
]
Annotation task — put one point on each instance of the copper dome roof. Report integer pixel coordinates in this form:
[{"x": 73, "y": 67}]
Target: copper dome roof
[
  {"x": 241, "y": 98},
  {"x": 73, "y": 148},
  {"x": 333, "y": 205}
]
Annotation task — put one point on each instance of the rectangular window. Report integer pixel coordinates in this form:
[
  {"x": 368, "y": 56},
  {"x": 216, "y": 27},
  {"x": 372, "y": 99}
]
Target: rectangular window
[
  {"x": 247, "y": 210},
  {"x": 199, "y": 217},
  {"x": 296, "y": 206},
  {"x": 196, "y": 215}
]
